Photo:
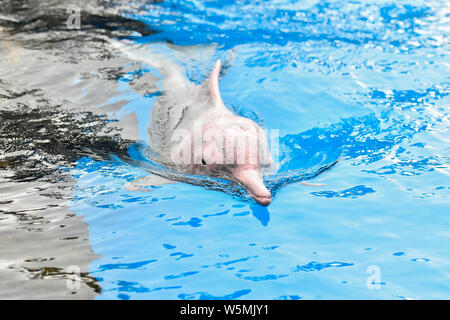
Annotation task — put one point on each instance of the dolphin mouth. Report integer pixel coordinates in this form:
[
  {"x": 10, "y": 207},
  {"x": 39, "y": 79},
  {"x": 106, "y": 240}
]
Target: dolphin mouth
[
  {"x": 251, "y": 180},
  {"x": 264, "y": 201}
]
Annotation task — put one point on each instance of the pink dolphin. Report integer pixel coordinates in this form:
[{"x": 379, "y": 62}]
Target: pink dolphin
[
  {"x": 193, "y": 132},
  {"x": 240, "y": 162}
]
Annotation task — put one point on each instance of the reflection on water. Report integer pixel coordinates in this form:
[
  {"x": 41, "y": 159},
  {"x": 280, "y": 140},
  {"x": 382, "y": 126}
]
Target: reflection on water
[
  {"x": 41, "y": 237},
  {"x": 43, "y": 241},
  {"x": 365, "y": 83}
]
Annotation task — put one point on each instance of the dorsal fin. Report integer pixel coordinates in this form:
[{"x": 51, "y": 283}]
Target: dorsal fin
[{"x": 213, "y": 82}]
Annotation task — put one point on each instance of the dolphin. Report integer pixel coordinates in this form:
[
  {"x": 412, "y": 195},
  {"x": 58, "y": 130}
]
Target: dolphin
[{"x": 193, "y": 132}]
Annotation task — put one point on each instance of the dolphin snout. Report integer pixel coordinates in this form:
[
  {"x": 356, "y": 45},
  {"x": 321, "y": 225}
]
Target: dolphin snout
[
  {"x": 264, "y": 201},
  {"x": 252, "y": 181}
]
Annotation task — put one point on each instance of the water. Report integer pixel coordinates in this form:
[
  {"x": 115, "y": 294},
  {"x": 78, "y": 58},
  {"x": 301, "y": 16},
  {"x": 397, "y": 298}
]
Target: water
[{"x": 363, "y": 82}]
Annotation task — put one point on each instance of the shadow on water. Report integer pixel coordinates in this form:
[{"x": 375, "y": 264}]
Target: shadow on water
[{"x": 261, "y": 213}]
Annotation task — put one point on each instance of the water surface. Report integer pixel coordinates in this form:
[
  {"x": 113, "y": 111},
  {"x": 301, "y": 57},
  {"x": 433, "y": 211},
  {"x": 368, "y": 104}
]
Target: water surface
[{"x": 366, "y": 81}]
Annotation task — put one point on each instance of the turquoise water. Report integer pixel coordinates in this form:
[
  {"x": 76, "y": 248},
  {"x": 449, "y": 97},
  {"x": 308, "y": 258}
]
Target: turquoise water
[{"x": 366, "y": 81}]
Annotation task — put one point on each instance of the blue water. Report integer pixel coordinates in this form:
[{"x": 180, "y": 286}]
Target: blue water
[{"x": 368, "y": 82}]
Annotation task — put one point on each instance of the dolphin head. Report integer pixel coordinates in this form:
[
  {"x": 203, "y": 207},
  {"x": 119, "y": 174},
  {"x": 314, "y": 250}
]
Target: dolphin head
[
  {"x": 234, "y": 146},
  {"x": 237, "y": 148}
]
